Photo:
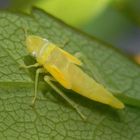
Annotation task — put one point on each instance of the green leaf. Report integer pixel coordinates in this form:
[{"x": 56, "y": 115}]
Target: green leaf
[
  {"x": 74, "y": 12},
  {"x": 52, "y": 118}
]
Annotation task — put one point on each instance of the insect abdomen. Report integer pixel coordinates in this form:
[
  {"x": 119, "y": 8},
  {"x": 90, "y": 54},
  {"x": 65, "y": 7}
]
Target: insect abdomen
[{"x": 86, "y": 86}]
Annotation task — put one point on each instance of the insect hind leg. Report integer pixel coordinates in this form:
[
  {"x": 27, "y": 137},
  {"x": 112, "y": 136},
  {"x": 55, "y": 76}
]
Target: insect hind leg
[{"x": 72, "y": 103}]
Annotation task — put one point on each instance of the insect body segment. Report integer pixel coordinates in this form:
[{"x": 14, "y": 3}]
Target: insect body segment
[
  {"x": 65, "y": 69},
  {"x": 93, "y": 90}
]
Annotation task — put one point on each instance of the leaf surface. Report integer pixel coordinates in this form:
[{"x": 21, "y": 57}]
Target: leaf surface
[{"x": 52, "y": 117}]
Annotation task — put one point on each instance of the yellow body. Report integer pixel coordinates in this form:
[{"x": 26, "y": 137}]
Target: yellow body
[{"x": 65, "y": 69}]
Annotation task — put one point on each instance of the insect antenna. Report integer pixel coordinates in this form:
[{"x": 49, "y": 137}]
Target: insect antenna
[{"x": 25, "y": 31}]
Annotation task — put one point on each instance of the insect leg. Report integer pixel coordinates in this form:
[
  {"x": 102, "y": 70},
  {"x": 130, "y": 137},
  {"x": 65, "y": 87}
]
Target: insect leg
[
  {"x": 30, "y": 66},
  {"x": 78, "y": 55},
  {"x": 64, "y": 43},
  {"x": 95, "y": 72},
  {"x": 72, "y": 103},
  {"x": 38, "y": 71}
]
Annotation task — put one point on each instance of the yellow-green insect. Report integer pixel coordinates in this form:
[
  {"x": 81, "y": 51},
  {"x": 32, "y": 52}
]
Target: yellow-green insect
[{"x": 64, "y": 68}]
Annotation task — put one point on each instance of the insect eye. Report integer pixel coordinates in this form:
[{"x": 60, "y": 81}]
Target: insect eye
[{"x": 34, "y": 54}]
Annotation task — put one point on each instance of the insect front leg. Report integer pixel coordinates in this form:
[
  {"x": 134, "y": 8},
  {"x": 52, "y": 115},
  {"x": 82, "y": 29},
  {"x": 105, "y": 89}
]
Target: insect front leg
[
  {"x": 29, "y": 66},
  {"x": 48, "y": 79}
]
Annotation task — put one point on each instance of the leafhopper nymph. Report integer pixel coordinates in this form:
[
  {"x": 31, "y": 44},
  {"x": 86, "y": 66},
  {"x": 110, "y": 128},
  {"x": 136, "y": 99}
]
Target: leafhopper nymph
[{"x": 65, "y": 69}]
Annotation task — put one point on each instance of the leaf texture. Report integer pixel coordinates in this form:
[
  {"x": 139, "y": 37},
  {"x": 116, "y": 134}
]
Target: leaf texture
[{"x": 52, "y": 118}]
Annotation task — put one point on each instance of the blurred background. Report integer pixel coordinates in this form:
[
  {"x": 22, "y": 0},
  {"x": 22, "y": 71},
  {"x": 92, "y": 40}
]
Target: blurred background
[{"x": 114, "y": 21}]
